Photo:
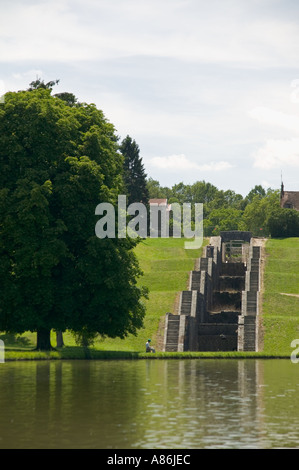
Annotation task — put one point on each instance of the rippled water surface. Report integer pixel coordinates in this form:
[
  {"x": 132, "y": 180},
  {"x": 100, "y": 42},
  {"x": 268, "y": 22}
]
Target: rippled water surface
[{"x": 154, "y": 404}]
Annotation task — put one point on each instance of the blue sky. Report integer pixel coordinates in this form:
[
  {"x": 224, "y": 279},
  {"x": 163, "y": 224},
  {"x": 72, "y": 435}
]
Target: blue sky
[{"x": 208, "y": 89}]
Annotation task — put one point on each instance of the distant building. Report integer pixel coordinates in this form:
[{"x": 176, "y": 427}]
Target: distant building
[
  {"x": 159, "y": 217},
  {"x": 160, "y": 203},
  {"x": 289, "y": 199}
]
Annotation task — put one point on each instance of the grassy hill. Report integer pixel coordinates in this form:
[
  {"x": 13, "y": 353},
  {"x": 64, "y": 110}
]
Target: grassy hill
[
  {"x": 166, "y": 265},
  {"x": 281, "y": 311}
]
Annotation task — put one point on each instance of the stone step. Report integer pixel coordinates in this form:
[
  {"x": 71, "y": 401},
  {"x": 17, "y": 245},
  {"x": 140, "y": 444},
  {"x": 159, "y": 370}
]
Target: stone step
[
  {"x": 186, "y": 302},
  {"x": 203, "y": 264},
  {"x": 171, "y": 347},
  {"x": 172, "y": 333}
]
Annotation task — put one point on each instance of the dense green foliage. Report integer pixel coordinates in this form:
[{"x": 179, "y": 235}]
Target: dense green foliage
[
  {"x": 259, "y": 212},
  {"x": 58, "y": 162},
  {"x": 283, "y": 223}
]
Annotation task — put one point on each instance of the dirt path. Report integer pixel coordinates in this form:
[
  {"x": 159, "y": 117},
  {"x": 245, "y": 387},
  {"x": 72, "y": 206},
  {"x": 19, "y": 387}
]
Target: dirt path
[{"x": 291, "y": 295}]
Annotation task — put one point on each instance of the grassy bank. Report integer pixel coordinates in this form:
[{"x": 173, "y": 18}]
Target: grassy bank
[
  {"x": 166, "y": 264},
  {"x": 281, "y": 296},
  {"x": 77, "y": 353}
]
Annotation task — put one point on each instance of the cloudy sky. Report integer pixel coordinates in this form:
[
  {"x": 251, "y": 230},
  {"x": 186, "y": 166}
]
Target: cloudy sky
[{"x": 208, "y": 89}]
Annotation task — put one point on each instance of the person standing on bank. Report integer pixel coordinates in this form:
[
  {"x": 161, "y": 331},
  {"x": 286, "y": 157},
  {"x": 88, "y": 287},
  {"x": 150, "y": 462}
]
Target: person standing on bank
[{"x": 148, "y": 347}]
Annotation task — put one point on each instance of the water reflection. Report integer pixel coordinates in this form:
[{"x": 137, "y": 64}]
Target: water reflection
[{"x": 167, "y": 404}]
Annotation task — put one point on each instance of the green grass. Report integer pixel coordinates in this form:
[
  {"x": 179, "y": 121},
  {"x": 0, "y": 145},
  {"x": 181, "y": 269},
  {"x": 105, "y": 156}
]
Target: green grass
[
  {"x": 281, "y": 312},
  {"x": 166, "y": 265}
]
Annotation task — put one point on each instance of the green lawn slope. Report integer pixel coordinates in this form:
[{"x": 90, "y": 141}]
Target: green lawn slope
[
  {"x": 280, "y": 311},
  {"x": 166, "y": 265}
]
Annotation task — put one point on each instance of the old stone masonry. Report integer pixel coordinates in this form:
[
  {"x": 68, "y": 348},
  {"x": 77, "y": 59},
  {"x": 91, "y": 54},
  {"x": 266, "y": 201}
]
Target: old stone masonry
[{"x": 219, "y": 311}]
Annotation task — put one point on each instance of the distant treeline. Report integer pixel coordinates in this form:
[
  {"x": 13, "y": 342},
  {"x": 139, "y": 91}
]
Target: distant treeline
[{"x": 259, "y": 212}]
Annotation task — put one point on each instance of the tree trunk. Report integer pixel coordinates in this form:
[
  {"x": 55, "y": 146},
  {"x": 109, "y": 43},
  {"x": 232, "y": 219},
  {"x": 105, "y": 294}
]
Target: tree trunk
[
  {"x": 43, "y": 340},
  {"x": 59, "y": 339}
]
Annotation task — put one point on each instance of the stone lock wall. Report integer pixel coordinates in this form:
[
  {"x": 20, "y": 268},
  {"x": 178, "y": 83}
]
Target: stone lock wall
[{"x": 218, "y": 311}]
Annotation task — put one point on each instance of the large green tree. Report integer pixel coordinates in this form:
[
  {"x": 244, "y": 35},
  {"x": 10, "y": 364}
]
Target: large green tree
[
  {"x": 283, "y": 222},
  {"x": 222, "y": 219},
  {"x": 57, "y": 163},
  {"x": 257, "y": 212}
]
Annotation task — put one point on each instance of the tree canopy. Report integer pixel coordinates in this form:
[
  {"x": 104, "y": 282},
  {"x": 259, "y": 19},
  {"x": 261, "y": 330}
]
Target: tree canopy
[
  {"x": 258, "y": 212},
  {"x": 58, "y": 162}
]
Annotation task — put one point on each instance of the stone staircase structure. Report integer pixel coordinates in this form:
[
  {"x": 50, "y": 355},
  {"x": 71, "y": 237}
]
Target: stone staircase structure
[{"x": 219, "y": 310}]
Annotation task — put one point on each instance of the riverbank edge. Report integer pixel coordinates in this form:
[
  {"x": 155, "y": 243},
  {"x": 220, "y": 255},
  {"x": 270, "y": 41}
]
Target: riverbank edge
[{"x": 13, "y": 356}]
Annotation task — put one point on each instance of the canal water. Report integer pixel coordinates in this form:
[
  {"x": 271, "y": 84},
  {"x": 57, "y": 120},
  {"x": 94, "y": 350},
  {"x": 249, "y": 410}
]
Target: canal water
[{"x": 150, "y": 404}]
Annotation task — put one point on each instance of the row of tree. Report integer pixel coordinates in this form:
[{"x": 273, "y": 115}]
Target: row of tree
[{"x": 259, "y": 212}]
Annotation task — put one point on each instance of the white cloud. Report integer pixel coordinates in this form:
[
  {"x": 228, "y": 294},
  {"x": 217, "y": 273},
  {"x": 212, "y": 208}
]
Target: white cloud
[
  {"x": 277, "y": 154},
  {"x": 266, "y": 184},
  {"x": 272, "y": 117},
  {"x": 43, "y": 31},
  {"x": 30, "y": 74},
  {"x": 190, "y": 30},
  {"x": 176, "y": 75},
  {"x": 182, "y": 163}
]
